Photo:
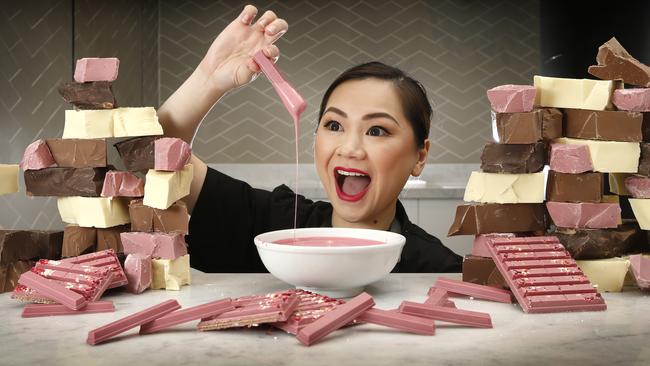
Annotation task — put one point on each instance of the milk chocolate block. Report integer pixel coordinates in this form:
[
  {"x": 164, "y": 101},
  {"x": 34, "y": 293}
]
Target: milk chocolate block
[
  {"x": 93, "y": 95},
  {"x": 122, "y": 184},
  {"x": 598, "y": 243},
  {"x": 8, "y": 178},
  {"x": 136, "y": 121},
  {"x": 505, "y": 188},
  {"x": 528, "y": 127},
  {"x": 137, "y": 153},
  {"x": 10, "y": 273},
  {"x": 609, "y": 156},
  {"x": 584, "y": 215},
  {"x": 603, "y": 125},
  {"x": 88, "y": 124},
  {"x": 109, "y": 238},
  {"x": 37, "y": 156},
  {"x": 615, "y": 63},
  {"x": 498, "y": 218},
  {"x": 171, "y": 154},
  {"x": 96, "y": 69},
  {"x": 78, "y": 240},
  {"x": 516, "y": 159},
  {"x": 584, "y": 187},
  {"x": 149, "y": 219},
  {"x": 638, "y": 187},
  {"x": 78, "y": 153},
  {"x": 644, "y": 160},
  {"x": 18, "y": 245},
  {"x": 482, "y": 271},
  {"x": 575, "y": 93},
  {"x": 64, "y": 182},
  {"x": 637, "y": 100},
  {"x": 512, "y": 98},
  {"x": 573, "y": 159}
]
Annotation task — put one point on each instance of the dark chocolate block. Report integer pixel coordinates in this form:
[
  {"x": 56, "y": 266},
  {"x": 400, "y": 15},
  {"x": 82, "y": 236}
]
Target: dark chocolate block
[
  {"x": 645, "y": 126},
  {"x": 644, "y": 159},
  {"x": 599, "y": 243},
  {"x": 149, "y": 219},
  {"x": 137, "y": 153},
  {"x": 9, "y": 274},
  {"x": 63, "y": 182},
  {"x": 18, "y": 245},
  {"x": 498, "y": 218},
  {"x": 614, "y": 62},
  {"x": 583, "y": 187},
  {"x": 92, "y": 95},
  {"x": 78, "y": 153},
  {"x": 109, "y": 238},
  {"x": 516, "y": 159},
  {"x": 603, "y": 125},
  {"x": 78, "y": 240},
  {"x": 529, "y": 127},
  {"x": 482, "y": 271}
]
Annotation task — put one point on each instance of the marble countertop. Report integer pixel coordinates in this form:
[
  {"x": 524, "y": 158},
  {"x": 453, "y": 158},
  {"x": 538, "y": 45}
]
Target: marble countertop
[{"x": 618, "y": 336}]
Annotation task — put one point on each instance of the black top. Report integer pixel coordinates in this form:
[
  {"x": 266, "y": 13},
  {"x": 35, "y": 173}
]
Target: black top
[{"x": 229, "y": 213}]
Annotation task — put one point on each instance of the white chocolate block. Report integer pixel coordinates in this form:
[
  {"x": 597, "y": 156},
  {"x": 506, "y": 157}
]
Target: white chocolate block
[
  {"x": 99, "y": 212},
  {"x": 88, "y": 123},
  {"x": 170, "y": 274},
  {"x": 505, "y": 188},
  {"x": 608, "y": 275},
  {"x": 609, "y": 156},
  {"x": 8, "y": 178},
  {"x": 617, "y": 183},
  {"x": 162, "y": 189},
  {"x": 641, "y": 209},
  {"x": 136, "y": 121},
  {"x": 575, "y": 93}
]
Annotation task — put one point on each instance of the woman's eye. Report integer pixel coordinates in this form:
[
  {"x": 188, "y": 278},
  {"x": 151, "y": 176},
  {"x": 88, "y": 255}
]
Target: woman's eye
[
  {"x": 377, "y": 131},
  {"x": 333, "y": 126}
]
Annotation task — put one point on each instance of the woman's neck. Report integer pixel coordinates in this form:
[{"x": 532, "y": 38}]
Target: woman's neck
[{"x": 382, "y": 221}]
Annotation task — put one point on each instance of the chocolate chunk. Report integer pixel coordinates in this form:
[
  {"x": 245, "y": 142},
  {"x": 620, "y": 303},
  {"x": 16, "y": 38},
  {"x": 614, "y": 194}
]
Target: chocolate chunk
[
  {"x": 528, "y": 127},
  {"x": 482, "y": 271},
  {"x": 584, "y": 187},
  {"x": 498, "y": 218},
  {"x": 603, "y": 125},
  {"x": 78, "y": 153},
  {"x": 93, "y": 95},
  {"x": 63, "y": 182},
  {"x": 149, "y": 219},
  {"x": 614, "y": 62},
  {"x": 644, "y": 160},
  {"x": 78, "y": 240},
  {"x": 645, "y": 127},
  {"x": 137, "y": 153},
  {"x": 18, "y": 245},
  {"x": 109, "y": 238},
  {"x": 598, "y": 243},
  {"x": 517, "y": 159},
  {"x": 9, "y": 274}
]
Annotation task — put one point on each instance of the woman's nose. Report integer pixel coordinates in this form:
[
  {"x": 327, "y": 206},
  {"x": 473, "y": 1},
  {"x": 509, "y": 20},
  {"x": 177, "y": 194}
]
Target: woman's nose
[{"x": 352, "y": 147}]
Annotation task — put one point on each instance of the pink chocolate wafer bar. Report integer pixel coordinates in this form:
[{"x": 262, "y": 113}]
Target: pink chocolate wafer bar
[
  {"x": 122, "y": 184},
  {"x": 187, "y": 315},
  {"x": 276, "y": 309},
  {"x": 474, "y": 290},
  {"x": 91, "y": 285},
  {"x": 36, "y": 310},
  {"x": 171, "y": 154},
  {"x": 447, "y": 314},
  {"x": 543, "y": 285},
  {"x": 37, "y": 156},
  {"x": 397, "y": 320},
  {"x": 110, "y": 330},
  {"x": 512, "y": 98},
  {"x": 26, "y": 294},
  {"x": 311, "y": 307},
  {"x": 96, "y": 69},
  {"x": 480, "y": 249},
  {"x": 105, "y": 258},
  {"x": 640, "y": 266},
  {"x": 335, "y": 319},
  {"x": 53, "y": 290},
  {"x": 292, "y": 101}
]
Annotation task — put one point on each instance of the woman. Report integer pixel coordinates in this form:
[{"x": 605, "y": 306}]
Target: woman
[{"x": 372, "y": 134}]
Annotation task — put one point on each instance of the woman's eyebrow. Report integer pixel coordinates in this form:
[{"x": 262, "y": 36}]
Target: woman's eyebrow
[
  {"x": 337, "y": 111},
  {"x": 380, "y": 115}
]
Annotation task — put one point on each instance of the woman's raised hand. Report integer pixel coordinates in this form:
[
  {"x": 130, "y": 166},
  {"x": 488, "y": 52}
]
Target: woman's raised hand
[{"x": 228, "y": 63}]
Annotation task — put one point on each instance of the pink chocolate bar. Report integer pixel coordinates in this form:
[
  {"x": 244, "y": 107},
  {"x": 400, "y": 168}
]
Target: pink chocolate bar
[
  {"x": 138, "y": 270},
  {"x": 512, "y": 98},
  {"x": 447, "y": 314},
  {"x": 573, "y": 159},
  {"x": 110, "y": 330},
  {"x": 37, "y": 156},
  {"x": 270, "y": 310},
  {"x": 585, "y": 215},
  {"x": 474, "y": 290},
  {"x": 26, "y": 294},
  {"x": 311, "y": 307},
  {"x": 639, "y": 187},
  {"x": 641, "y": 270},
  {"x": 403, "y": 322},
  {"x": 335, "y": 319},
  {"x": 171, "y": 154},
  {"x": 96, "y": 69},
  {"x": 105, "y": 258},
  {"x": 53, "y": 290},
  {"x": 122, "y": 184},
  {"x": 636, "y": 100},
  {"x": 543, "y": 285},
  {"x": 437, "y": 296},
  {"x": 480, "y": 249},
  {"x": 187, "y": 315},
  {"x": 292, "y": 101},
  {"x": 155, "y": 245},
  {"x": 36, "y": 310},
  {"x": 96, "y": 279}
]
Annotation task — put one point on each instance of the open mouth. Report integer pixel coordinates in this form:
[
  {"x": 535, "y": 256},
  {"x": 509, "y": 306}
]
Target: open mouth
[{"x": 351, "y": 184}]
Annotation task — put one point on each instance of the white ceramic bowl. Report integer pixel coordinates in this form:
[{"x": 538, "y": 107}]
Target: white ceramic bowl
[{"x": 333, "y": 271}]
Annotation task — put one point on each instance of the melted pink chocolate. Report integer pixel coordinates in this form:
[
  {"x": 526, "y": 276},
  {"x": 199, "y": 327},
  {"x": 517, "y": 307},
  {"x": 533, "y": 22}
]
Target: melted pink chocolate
[{"x": 327, "y": 241}]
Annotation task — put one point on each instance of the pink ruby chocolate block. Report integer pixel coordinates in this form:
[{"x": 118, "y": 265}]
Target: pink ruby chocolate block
[
  {"x": 512, "y": 98},
  {"x": 171, "y": 154},
  {"x": 122, "y": 184},
  {"x": 636, "y": 100},
  {"x": 571, "y": 159},
  {"x": 37, "y": 156}
]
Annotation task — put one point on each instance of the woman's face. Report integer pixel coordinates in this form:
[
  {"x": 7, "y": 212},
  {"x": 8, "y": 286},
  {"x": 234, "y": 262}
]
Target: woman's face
[{"x": 364, "y": 153}]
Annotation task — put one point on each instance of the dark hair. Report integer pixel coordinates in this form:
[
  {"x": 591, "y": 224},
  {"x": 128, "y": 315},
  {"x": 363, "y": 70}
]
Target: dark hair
[{"x": 412, "y": 95}]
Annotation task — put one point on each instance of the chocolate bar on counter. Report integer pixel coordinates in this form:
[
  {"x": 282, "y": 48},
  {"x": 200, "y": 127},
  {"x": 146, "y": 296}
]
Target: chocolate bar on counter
[
  {"x": 614, "y": 62},
  {"x": 603, "y": 125},
  {"x": 528, "y": 127},
  {"x": 517, "y": 159},
  {"x": 92, "y": 95},
  {"x": 583, "y": 187},
  {"x": 65, "y": 182},
  {"x": 498, "y": 218},
  {"x": 598, "y": 243},
  {"x": 16, "y": 245},
  {"x": 149, "y": 219},
  {"x": 137, "y": 153},
  {"x": 78, "y": 153},
  {"x": 482, "y": 271}
]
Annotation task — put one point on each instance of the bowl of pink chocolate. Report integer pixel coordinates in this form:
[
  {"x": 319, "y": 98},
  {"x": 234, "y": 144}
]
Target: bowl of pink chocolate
[{"x": 337, "y": 262}]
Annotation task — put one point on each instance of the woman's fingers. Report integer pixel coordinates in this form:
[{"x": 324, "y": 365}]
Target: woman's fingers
[
  {"x": 271, "y": 51},
  {"x": 267, "y": 18},
  {"x": 248, "y": 14},
  {"x": 276, "y": 28}
]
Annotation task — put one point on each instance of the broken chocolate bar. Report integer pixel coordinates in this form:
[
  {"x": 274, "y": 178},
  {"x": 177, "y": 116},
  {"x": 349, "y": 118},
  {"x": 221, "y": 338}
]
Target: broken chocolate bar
[
  {"x": 498, "y": 218},
  {"x": 505, "y": 188},
  {"x": 93, "y": 95},
  {"x": 482, "y": 271},
  {"x": 136, "y": 121},
  {"x": 137, "y": 153},
  {"x": 644, "y": 160},
  {"x": 583, "y": 187},
  {"x": 162, "y": 189},
  {"x": 609, "y": 156},
  {"x": 9, "y": 178},
  {"x": 607, "y": 275},
  {"x": 512, "y": 98},
  {"x": 78, "y": 240},
  {"x": 517, "y": 159},
  {"x": 603, "y": 125},
  {"x": 122, "y": 184},
  {"x": 573, "y": 159},
  {"x": 88, "y": 124},
  {"x": 638, "y": 187},
  {"x": 18, "y": 245},
  {"x": 149, "y": 219},
  {"x": 575, "y": 93},
  {"x": 170, "y": 274},
  {"x": 65, "y": 182},
  {"x": 598, "y": 243},
  {"x": 584, "y": 215},
  {"x": 528, "y": 127},
  {"x": 155, "y": 245},
  {"x": 109, "y": 238},
  {"x": 637, "y": 99},
  {"x": 171, "y": 154},
  {"x": 99, "y": 212},
  {"x": 96, "y": 69},
  {"x": 78, "y": 153},
  {"x": 37, "y": 156},
  {"x": 10, "y": 273},
  {"x": 137, "y": 268},
  {"x": 641, "y": 270},
  {"x": 614, "y": 62}
]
